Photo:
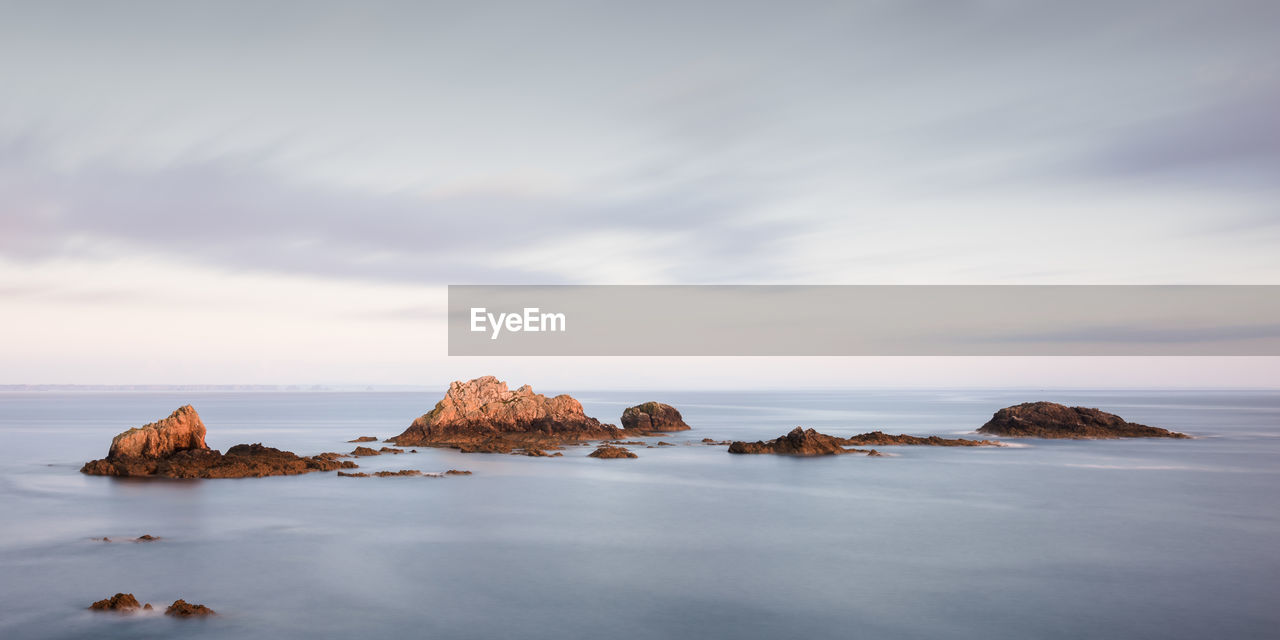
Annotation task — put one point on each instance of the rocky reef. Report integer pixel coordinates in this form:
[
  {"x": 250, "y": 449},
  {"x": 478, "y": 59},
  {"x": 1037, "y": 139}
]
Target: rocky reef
[
  {"x": 798, "y": 442},
  {"x": 483, "y": 415},
  {"x": 1053, "y": 420},
  {"x": 175, "y": 448},
  {"x": 610, "y": 451},
  {"x": 120, "y": 602},
  {"x": 183, "y": 609},
  {"x": 653, "y": 416},
  {"x": 881, "y": 439}
]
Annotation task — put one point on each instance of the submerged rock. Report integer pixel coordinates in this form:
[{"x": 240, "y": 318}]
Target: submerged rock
[
  {"x": 653, "y": 416},
  {"x": 879, "y": 438},
  {"x": 364, "y": 439},
  {"x": 1053, "y": 420},
  {"x": 457, "y": 472},
  {"x": 610, "y": 451},
  {"x": 183, "y": 609},
  {"x": 121, "y": 602},
  {"x": 175, "y": 448},
  {"x": 393, "y": 474},
  {"x": 485, "y": 412},
  {"x": 798, "y": 442}
]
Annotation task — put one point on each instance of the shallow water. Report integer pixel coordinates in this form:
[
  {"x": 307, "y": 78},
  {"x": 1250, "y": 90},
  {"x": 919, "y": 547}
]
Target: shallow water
[{"x": 1058, "y": 539}]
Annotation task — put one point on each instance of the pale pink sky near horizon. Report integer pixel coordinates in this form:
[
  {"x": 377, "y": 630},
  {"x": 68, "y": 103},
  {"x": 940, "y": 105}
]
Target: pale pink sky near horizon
[{"x": 240, "y": 194}]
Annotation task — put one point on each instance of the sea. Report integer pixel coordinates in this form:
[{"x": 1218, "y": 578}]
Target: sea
[{"x": 1147, "y": 538}]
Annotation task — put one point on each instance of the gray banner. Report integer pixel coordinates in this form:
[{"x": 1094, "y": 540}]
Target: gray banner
[{"x": 838, "y": 320}]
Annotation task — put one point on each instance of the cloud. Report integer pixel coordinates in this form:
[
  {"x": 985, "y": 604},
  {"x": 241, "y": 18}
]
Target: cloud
[{"x": 232, "y": 213}]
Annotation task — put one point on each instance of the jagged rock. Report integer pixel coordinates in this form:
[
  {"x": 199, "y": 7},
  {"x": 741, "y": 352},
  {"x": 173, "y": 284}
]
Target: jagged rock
[
  {"x": 610, "y": 451},
  {"x": 364, "y": 439},
  {"x": 390, "y": 450},
  {"x": 120, "y": 602},
  {"x": 879, "y": 438},
  {"x": 344, "y": 474},
  {"x": 484, "y": 410},
  {"x": 392, "y": 474},
  {"x": 653, "y": 416},
  {"x": 183, "y": 609},
  {"x": 799, "y": 442},
  {"x": 174, "y": 448},
  {"x": 1052, "y": 420},
  {"x": 364, "y": 452},
  {"x": 181, "y": 431}
]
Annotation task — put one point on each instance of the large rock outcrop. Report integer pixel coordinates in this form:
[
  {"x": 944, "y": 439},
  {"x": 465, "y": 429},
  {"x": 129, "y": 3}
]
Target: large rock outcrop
[
  {"x": 175, "y": 448},
  {"x": 181, "y": 431},
  {"x": 484, "y": 415},
  {"x": 799, "y": 442},
  {"x": 653, "y": 416},
  {"x": 1053, "y": 420}
]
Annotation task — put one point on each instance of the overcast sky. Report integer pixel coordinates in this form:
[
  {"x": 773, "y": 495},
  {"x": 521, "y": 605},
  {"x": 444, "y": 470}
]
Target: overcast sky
[{"x": 273, "y": 193}]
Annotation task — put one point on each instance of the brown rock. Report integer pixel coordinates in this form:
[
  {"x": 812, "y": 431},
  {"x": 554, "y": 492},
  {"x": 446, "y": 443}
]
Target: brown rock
[
  {"x": 881, "y": 439},
  {"x": 364, "y": 439},
  {"x": 183, "y": 609},
  {"x": 799, "y": 442},
  {"x": 181, "y": 431},
  {"x": 457, "y": 472},
  {"x": 1052, "y": 420},
  {"x": 390, "y": 450},
  {"x": 121, "y": 602},
  {"x": 364, "y": 451},
  {"x": 393, "y": 474},
  {"x": 484, "y": 410},
  {"x": 344, "y": 474},
  {"x": 653, "y": 416},
  {"x": 609, "y": 451},
  {"x": 175, "y": 448},
  {"x": 146, "y": 537}
]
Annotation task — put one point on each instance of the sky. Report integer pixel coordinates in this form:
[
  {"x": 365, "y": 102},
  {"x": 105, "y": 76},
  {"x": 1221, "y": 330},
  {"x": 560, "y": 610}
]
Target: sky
[{"x": 278, "y": 193}]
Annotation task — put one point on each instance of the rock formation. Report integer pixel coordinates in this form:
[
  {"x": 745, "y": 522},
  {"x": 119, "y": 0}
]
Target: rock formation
[
  {"x": 175, "y": 448},
  {"x": 1052, "y": 420},
  {"x": 181, "y": 431},
  {"x": 182, "y": 609},
  {"x": 881, "y": 439},
  {"x": 484, "y": 415},
  {"x": 610, "y": 451},
  {"x": 121, "y": 602},
  {"x": 653, "y": 416},
  {"x": 364, "y": 439},
  {"x": 799, "y": 442}
]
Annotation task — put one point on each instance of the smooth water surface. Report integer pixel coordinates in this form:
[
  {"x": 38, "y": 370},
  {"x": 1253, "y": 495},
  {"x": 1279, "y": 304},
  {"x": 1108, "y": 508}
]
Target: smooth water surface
[{"x": 1049, "y": 539}]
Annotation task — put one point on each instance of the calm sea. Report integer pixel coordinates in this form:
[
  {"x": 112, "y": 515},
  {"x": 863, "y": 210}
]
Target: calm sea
[{"x": 1055, "y": 539}]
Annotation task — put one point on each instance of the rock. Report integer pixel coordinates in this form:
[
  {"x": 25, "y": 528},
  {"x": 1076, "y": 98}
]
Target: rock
[
  {"x": 364, "y": 439},
  {"x": 390, "y": 450},
  {"x": 175, "y": 448},
  {"x": 610, "y": 451},
  {"x": 714, "y": 443},
  {"x": 879, "y": 438},
  {"x": 146, "y": 537},
  {"x": 393, "y": 474},
  {"x": 1052, "y": 420},
  {"x": 484, "y": 410},
  {"x": 799, "y": 442},
  {"x": 457, "y": 472},
  {"x": 343, "y": 474},
  {"x": 874, "y": 454},
  {"x": 121, "y": 602},
  {"x": 653, "y": 416},
  {"x": 181, "y": 431},
  {"x": 364, "y": 451},
  {"x": 532, "y": 452},
  {"x": 664, "y": 444},
  {"x": 487, "y": 446},
  {"x": 183, "y": 609}
]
